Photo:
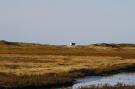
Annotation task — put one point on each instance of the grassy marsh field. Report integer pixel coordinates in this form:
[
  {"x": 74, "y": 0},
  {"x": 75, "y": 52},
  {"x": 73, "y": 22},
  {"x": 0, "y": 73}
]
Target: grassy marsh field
[{"x": 35, "y": 65}]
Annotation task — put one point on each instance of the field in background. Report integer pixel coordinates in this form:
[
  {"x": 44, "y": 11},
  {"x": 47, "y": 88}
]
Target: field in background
[{"x": 27, "y": 64}]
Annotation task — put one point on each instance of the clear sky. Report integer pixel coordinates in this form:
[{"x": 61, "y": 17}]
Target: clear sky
[{"x": 63, "y": 21}]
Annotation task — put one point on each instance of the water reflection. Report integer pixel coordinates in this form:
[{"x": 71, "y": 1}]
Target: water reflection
[{"x": 124, "y": 78}]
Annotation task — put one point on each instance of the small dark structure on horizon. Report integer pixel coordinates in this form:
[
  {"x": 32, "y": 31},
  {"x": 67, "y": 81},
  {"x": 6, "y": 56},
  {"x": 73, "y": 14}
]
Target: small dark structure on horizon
[{"x": 72, "y": 44}]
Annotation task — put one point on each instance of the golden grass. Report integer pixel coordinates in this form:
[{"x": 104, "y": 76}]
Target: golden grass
[
  {"x": 44, "y": 65},
  {"x": 56, "y": 68}
]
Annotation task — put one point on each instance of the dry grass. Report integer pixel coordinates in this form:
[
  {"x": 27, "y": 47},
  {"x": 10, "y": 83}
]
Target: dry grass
[{"x": 24, "y": 65}]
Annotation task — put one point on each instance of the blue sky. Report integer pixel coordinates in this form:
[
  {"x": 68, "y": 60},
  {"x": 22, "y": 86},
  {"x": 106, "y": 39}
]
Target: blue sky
[{"x": 63, "y": 21}]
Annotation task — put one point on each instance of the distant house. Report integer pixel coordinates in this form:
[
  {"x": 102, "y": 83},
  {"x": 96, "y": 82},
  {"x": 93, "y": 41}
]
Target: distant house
[{"x": 72, "y": 44}]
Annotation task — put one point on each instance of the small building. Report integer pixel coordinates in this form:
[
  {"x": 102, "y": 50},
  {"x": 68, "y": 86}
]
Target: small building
[{"x": 72, "y": 44}]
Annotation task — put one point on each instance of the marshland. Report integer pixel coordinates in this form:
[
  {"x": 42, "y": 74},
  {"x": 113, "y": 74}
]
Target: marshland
[
  {"x": 67, "y": 44},
  {"x": 29, "y": 65}
]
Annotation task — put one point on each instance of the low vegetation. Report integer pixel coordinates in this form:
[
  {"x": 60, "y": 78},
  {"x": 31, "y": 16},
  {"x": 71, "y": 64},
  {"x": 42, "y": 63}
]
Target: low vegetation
[
  {"x": 35, "y": 65},
  {"x": 119, "y": 86}
]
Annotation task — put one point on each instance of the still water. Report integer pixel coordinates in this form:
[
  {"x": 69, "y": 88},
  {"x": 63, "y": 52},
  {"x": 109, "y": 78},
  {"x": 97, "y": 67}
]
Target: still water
[{"x": 123, "y": 78}]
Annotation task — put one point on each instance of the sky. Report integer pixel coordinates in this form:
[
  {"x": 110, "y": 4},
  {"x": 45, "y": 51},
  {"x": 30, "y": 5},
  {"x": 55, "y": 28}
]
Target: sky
[{"x": 65, "y": 21}]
